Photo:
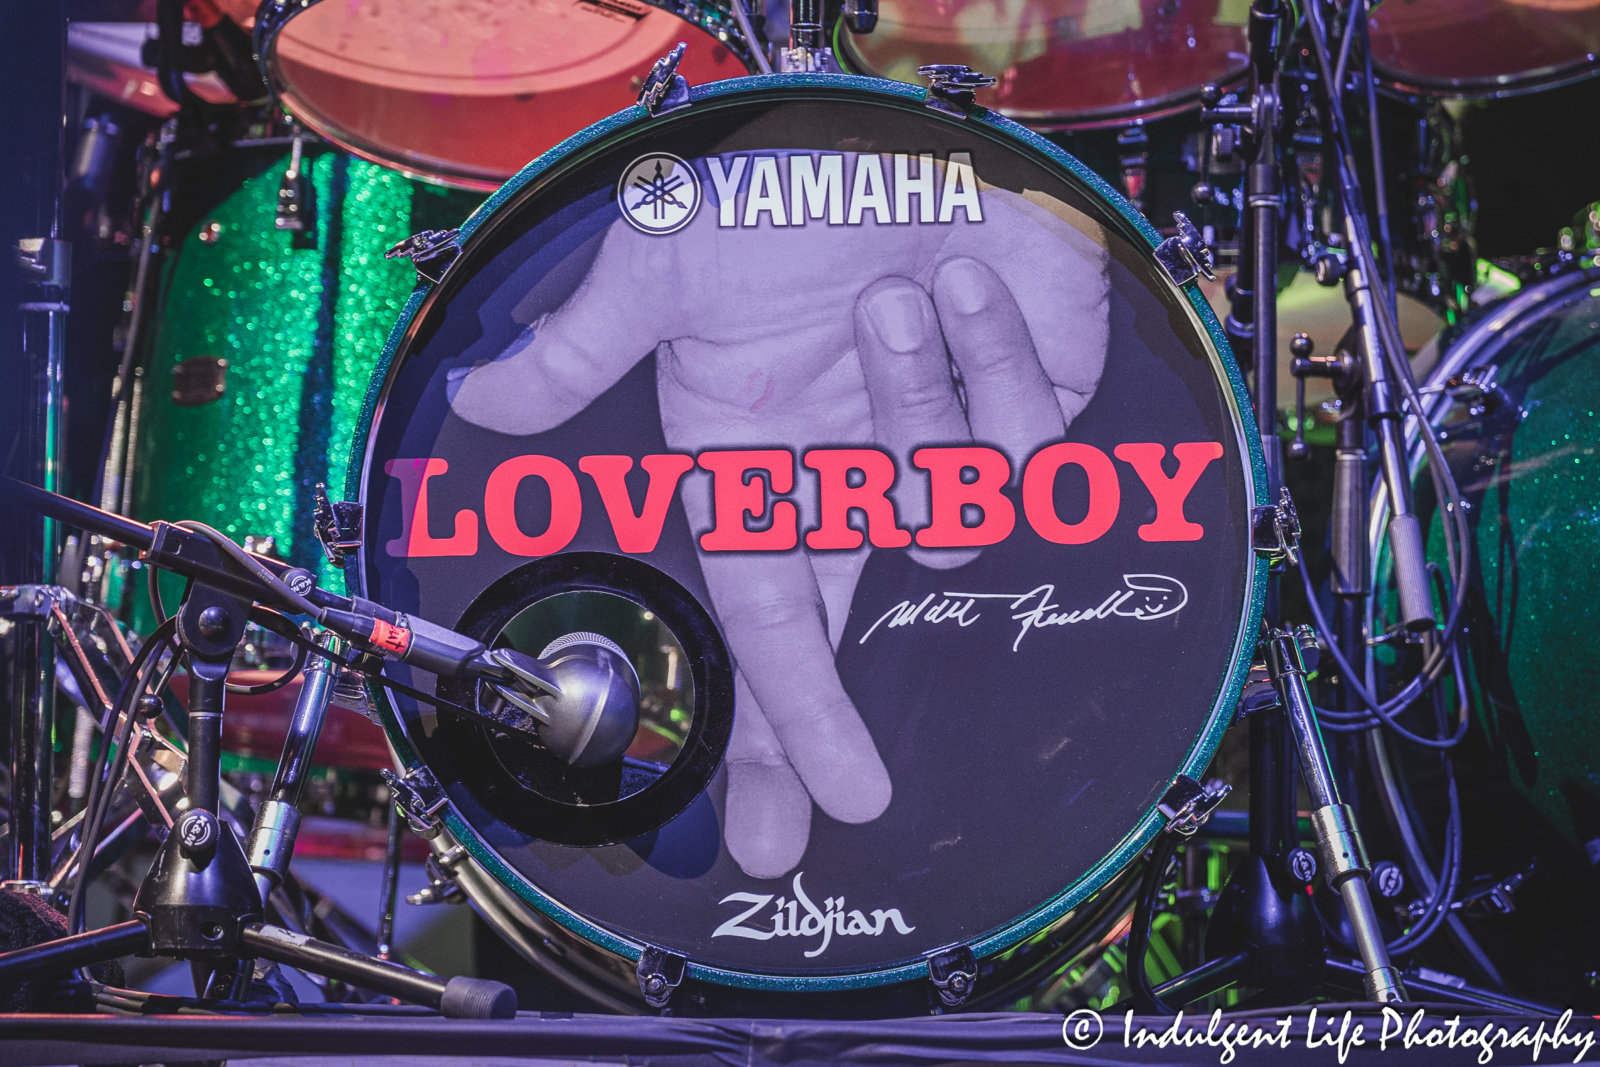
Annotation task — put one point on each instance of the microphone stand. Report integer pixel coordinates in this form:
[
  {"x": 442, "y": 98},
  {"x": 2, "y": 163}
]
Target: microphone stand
[
  {"x": 1263, "y": 932},
  {"x": 202, "y": 899}
]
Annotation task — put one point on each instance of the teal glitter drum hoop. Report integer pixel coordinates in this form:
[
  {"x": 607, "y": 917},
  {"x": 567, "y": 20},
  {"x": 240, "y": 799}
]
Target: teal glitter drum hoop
[{"x": 692, "y": 339}]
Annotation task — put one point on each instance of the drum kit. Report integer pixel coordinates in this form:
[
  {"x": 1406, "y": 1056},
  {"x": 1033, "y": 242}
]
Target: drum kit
[{"x": 430, "y": 519}]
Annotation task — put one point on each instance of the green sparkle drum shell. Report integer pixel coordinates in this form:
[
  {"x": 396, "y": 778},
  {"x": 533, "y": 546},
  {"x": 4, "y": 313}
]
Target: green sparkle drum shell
[
  {"x": 264, "y": 338},
  {"x": 1524, "y": 456}
]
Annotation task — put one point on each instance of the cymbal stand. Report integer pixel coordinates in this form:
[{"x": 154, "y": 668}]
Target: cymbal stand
[{"x": 201, "y": 899}]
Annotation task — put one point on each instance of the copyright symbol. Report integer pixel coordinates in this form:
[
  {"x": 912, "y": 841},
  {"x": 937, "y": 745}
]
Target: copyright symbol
[{"x": 1082, "y": 1029}]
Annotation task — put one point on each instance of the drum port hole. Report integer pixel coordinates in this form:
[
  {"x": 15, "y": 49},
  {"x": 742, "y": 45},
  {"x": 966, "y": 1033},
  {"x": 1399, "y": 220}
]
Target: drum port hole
[{"x": 212, "y": 931}]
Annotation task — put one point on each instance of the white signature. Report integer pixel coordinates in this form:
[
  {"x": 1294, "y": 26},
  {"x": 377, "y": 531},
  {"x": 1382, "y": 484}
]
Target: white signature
[
  {"x": 1146, "y": 597},
  {"x": 822, "y": 922}
]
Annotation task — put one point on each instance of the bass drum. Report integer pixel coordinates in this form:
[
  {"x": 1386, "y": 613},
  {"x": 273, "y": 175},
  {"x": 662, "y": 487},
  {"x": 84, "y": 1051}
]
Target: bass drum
[
  {"x": 1514, "y": 399},
  {"x": 942, "y": 353},
  {"x": 467, "y": 91}
]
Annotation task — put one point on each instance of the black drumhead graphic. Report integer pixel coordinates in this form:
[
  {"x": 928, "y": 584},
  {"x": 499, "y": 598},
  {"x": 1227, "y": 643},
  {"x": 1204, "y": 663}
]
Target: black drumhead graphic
[{"x": 908, "y": 409}]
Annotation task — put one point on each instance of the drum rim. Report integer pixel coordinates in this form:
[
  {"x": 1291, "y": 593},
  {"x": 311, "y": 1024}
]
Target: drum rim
[
  {"x": 1089, "y": 118},
  {"x": 273, "y": 15},
  {"x": 1133, "y": 227},
  {"x": 1495, "y": 88},
  {"x": 1505, "y": 322}
]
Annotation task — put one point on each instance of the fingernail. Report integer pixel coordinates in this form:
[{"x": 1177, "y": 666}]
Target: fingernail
[
  {"x": 896, "y": 313},
  {"x": 965, "y": 285}
]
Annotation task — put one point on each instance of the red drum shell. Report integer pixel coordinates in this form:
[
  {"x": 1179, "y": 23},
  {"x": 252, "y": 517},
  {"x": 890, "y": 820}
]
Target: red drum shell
[
  {"x": 1057, "y": 63},
  {"x": 1485, "y": 47}
]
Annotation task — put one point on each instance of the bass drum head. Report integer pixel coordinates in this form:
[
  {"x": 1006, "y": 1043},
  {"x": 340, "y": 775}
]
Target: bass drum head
[
  {"x": 1485, "y": 47},
  {"x": 1064, "y": 63},
  {"x": 468, "y": 91},
  {"x": 895, "y": 411}
]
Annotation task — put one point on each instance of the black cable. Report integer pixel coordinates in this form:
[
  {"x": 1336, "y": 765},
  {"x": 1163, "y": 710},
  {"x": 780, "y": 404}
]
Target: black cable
[
  {"x": 1385, "y": 711},
  {"x": 272, "y": 685},
  {"x": 256, "y": 570},
  {"x": 153, "y": 587},
  {"x": 1379, "y": 174},
  {"x": 1144, "y": 995}
]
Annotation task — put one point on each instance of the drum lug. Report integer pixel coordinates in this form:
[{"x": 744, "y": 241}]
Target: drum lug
[
  {"x": 337, "y": 525},
  {"x": 953, "y": 971},
  {"x": 1185, "y": 256},
  {"x": 664, "y": 89},
  {"x": 420, "y": 798},
  {"x": 442, "y": 887},
  {"x": 660, "y": 972},
  {"x": 431, "y": 252},
  {"x": 1275, "y": 530},
  {"x": 953, "y": 88},
  {"x": 1187, "y": 804}
]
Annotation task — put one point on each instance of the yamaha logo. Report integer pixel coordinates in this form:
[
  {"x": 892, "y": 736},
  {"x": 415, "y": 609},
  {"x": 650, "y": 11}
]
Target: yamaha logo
[{"x": 658, "y": 193}]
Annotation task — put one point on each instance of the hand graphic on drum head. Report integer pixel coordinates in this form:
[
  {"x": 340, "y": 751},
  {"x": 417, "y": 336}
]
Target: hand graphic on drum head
[{"x": 894, "y": 337}]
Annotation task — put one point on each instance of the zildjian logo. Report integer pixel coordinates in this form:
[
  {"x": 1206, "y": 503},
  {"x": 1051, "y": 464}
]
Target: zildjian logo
[{"x": 659, "y": 192}]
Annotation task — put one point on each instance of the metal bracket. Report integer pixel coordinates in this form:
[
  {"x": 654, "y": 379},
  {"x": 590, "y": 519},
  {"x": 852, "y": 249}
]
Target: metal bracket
[
  {"x": 420, "y": 796},
  {"x": 431, "y": 252},
  {"x": 1187, "y": 804},
  {"x": 31, "y": 601},
  {"x": 56, "y": 898},
  {"x": 664, "y": 89},
  {"x": 294, "y": 193},
  {"x": 337, "y": 525},
  {"x": 660, "y": 972},
  {"x": 953, "y": 88},
  {"x": 1275, "y": 530},
  {"x": 46, "y": 261},
  {"x": 1185, "y": 256},
  {"x": 442, "y": 887},
  {"x": 953, "y": 971}
]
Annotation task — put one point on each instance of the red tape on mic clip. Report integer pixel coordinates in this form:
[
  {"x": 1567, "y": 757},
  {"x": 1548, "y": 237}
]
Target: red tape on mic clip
[{"x": 392, "y": 639}]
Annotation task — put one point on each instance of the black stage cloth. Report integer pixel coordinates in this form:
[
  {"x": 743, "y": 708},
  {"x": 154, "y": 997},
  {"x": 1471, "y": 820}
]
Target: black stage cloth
[{"x": 27, "y": 1040}]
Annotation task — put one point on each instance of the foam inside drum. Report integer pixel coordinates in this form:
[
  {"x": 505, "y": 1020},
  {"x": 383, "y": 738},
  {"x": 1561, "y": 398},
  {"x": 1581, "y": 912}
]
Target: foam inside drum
[
  {"x": 892, "y": 419},
  {"x": 468, "y": 91}
]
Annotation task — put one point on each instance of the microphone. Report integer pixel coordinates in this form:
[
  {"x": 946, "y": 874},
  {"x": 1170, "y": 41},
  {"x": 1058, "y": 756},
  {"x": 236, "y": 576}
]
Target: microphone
[
  {"x": 588, "y": 702},
  {"x": 579, "y": 696}
]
